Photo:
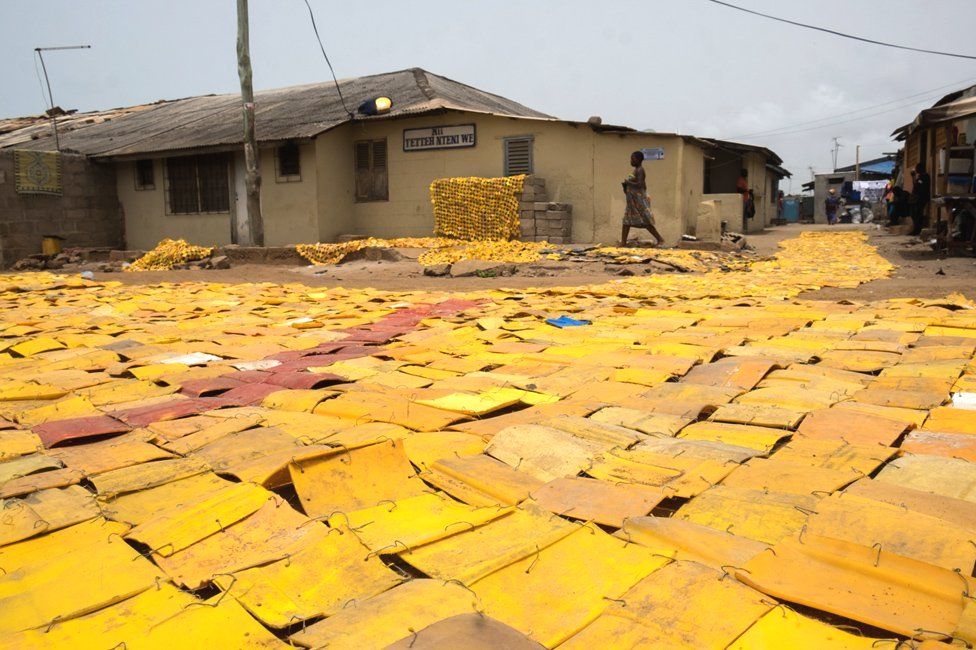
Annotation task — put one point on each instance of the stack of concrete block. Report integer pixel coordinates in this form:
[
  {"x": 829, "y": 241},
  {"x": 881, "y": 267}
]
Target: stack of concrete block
[{"x": 541, "y": 220}]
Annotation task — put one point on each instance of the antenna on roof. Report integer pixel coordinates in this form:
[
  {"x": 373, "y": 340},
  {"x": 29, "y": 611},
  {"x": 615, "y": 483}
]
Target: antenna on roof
[
  {"x": 52, "y": 113},
  {"x": 322, "y": 47}
]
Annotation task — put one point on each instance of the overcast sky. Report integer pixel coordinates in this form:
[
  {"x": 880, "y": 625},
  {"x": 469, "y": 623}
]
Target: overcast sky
[{"x": 688, "y": 66}]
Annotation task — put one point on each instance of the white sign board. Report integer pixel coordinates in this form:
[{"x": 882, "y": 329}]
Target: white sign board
[
  {"x": 439, "y": 137},
  {"x": 656, "y": 153}
]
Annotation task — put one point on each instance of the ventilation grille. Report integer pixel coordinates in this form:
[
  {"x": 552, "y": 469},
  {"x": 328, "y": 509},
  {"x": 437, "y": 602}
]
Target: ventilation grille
[{"x": 518, "y": 156}]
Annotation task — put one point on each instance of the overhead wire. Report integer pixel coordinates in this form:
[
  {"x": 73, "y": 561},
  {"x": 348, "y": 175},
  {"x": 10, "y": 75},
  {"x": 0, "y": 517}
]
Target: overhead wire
[
  {"x": 829, "y": 124},
  {"x": 842, "y": 34},
  {"x": 40, "y": 82},
  {"x": 859, "y": 110},
  {"x": 329, "y": 63}
]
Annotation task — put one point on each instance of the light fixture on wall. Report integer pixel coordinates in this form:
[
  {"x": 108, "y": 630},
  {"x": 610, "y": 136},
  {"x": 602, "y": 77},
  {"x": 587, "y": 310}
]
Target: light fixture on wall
[{"x": 376, "y": 106}]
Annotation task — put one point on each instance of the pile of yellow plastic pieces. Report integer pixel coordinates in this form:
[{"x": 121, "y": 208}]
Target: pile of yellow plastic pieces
[
  {"x": 334, "y": 253},
  {"x": 700, "y": 460},
  {"x": 477, "y": 209},
  {"x": 490, "y": 251},
  {"x": 169, "y": 254}
]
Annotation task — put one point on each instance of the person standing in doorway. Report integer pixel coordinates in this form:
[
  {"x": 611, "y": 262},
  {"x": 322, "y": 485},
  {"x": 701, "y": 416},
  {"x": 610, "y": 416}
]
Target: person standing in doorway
[
  {"x": 742, "y": 187},
  {"x": 921, "y": 194},
  {"x": 638, "y": 212},
  {"x": 831, "y": 206}
]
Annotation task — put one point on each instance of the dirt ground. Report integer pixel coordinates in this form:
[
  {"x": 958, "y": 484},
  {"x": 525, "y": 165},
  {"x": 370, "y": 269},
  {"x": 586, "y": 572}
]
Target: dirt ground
[{"x": 919, "y": 273}]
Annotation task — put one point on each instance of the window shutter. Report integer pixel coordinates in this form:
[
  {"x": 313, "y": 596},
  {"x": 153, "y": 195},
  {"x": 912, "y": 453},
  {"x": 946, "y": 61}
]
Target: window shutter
[
  {"x": 364, "y": 178},
  {"x": 183, "y": 188},
  {"x": 289, "y": 160},
  {"x": 518, "y": 156},
  {"x": 380, "y": 189},
  {"x": 214, "y": 185}
]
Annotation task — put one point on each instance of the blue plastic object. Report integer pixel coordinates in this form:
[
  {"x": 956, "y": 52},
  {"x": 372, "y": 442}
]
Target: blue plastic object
[{"x": 566, "y": 321}]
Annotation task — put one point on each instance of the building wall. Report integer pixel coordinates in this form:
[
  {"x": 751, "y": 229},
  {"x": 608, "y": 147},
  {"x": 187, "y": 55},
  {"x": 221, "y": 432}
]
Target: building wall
[
  {"x": 580, "y": 167},
  {"x": 146, "y": 221},
  {"x": 87, "y": 213},
  {"x": 289, "y": 209},
  {"x": 820, "y": 186},
  {"x": 336, "y": 183}
]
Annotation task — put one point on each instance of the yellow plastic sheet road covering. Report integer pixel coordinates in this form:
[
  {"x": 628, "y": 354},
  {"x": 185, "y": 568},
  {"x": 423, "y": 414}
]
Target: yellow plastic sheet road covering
[
  {"x": 556, "y": 592},
  {"x": 758, "y": 415},
  {"x": 868, "y": 585},
  {"x": 473, "y": 554},
  {"x": 353, "y": 479},
  {"x": 684, "y": 540},
  {"x": 44, "y": 511},
  {"x": 61, "y": 585},
  {"x": 18, "y": 443},
  {"x": 425, "y": 448},
  {"x": 783, "y": 476},
  {"x": 683, "y": 605},
  {"x": 762, "y": 516},
  {"x": 147, "y": 475},
  {"x": 25, "y": 465},
  {"x": 956, "y": 511},
  {"x": 176, "y": 529},
  {"x": 835, "y": 454},
  {"x": 390, "y": 616},
  {"x": 485, "y": 476},
  {"x": 543, "y": 452},
  {"x": 855, "y": 428},
  {"x": 478, "y": 403},
  {"x": 97, "y": 457},
  {"x": 600, "y": 501},
  {"x": 781, "y": 627},
  {"x": 396, "y": 526},
  {"x": 157, "y": 619},
  {"x": 272, "y": 533},
  {"x": 897, "y": 530},
  {"x": 137, "y": 507},
  {"x": 316, "y": 581},
  {"x": 951, "y": 420},
  {"x": 679, "y": 476},
  {"x": 741, "y": 435},
  {"x": 951, "y": 477},
  {"x": 654, "y": 424}
]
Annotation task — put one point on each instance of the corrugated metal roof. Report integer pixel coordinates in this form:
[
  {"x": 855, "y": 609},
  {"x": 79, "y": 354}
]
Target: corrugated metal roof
[{"x": 292, "y": 113}]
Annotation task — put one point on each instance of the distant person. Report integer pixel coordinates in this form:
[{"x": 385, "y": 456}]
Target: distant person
[
  {"x": 921, "y": 195},
  {"x": 832, "y": 205},
  {"x": 888, "y": 196},
  {"x": 638, "y": 212},
  {"x": 750, "y": 206},
  {"x": 900, "y": 205},
  {"x": 780, "y": 201}
]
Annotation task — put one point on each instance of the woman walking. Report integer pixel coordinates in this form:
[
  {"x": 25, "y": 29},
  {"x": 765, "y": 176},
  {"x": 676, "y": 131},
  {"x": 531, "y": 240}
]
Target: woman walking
[{"x": 638, "y": 212}]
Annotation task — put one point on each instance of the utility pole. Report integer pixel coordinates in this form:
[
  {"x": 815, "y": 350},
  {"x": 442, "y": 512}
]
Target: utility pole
[
  {"x": 54, "y": 118},
  {"x": 837, "y": 146},
  {"x": 249, "y": 231},
  {"x": 857, "y": 163}
]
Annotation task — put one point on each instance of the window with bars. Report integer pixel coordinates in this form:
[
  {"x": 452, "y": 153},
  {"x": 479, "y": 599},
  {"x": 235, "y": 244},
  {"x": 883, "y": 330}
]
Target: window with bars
[
  {"x": 371, "y": 171},
  {"x": 197, "y": 184},
  {"x": 145, "y": 175},
  {"x": 289, "y": 163},
  {"x": 518, "y": 155}
]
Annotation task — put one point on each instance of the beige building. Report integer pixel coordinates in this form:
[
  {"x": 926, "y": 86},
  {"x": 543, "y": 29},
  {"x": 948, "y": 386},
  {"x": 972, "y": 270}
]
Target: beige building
[{"x": 328, "y": 172}]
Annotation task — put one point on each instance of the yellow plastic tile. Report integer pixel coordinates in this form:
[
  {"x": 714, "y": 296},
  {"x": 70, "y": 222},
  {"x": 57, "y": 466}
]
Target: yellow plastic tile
[
  {"x": 556, "y": 592},
  {"x": 352, "y": 479}
]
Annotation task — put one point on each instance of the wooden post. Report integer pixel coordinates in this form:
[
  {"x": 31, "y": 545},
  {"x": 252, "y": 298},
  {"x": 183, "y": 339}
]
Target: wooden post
[
  {"x": 857, "y": 164},
  {"x": 249, "y": 231}
]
